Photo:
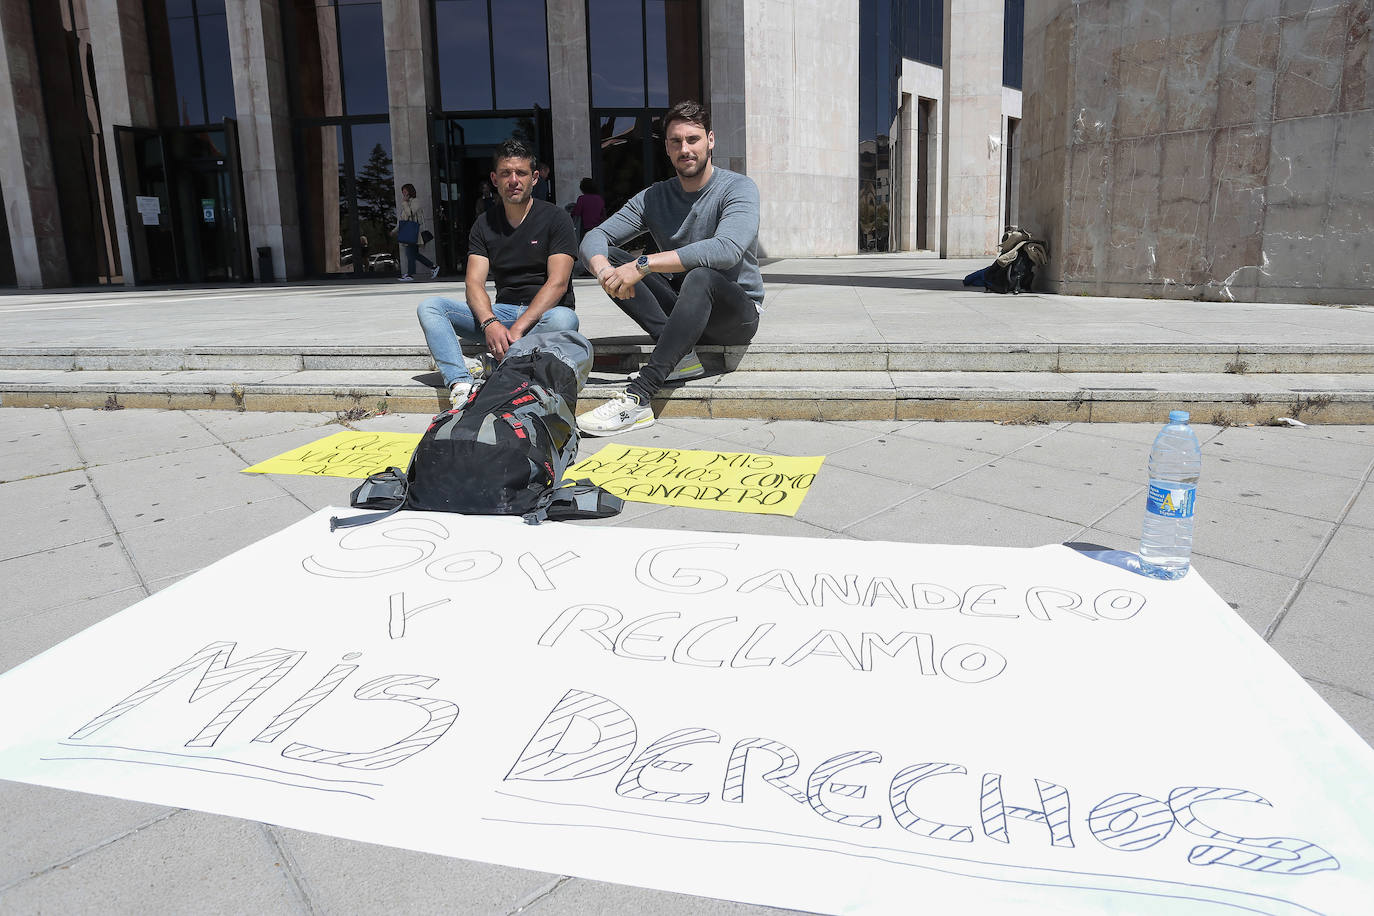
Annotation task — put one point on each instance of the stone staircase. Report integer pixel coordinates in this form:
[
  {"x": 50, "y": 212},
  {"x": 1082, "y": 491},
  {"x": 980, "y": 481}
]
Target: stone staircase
[{"x": 1008, "y": 382}]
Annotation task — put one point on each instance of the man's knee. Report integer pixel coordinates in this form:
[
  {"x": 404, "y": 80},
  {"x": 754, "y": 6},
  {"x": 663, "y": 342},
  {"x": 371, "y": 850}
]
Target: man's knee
[
  {"x": 558, "y": 318},
  {"x": 701, "y": 278},
  {"x": 433, "y": 307}
]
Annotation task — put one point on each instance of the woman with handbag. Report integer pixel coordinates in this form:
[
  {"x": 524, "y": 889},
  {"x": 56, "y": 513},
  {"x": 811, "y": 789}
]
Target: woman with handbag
[{"x": 408, "y": 219}]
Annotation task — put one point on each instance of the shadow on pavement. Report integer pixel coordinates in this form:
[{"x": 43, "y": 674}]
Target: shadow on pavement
[{"x": 937, "y": 283}]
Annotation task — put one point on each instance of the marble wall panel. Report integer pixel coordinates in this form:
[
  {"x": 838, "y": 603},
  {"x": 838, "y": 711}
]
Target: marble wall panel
[
  {"x": 1245, "y": 83},
  {"x": 1144, "y": 20},
  {"x": 1311, "y": 63},
  {"x": 1261, "y": 111},
  {"x": 1141, "y": 88},
  {"x": 1189, "y": 18},
  {"x": 1352, "y": 191},
  {"x": 800, "y": 64},
  {"x": 1186, "y": 170},
  {"x": 1192, "y": 64},
  {"x": 1300, "y": 158},
  {"x": 1294, "y": 243},
  {"x": 1357, "y": 71},
  {"x": 1134, "y": 190}
]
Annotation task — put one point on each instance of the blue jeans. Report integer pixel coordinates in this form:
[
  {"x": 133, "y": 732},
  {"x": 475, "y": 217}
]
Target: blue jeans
[
  {"x": 411, "y": 254},
  {"x": 446, "y": 322}
]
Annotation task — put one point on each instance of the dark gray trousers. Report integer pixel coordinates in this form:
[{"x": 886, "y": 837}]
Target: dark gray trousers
[{"x": 699, "y": 306}]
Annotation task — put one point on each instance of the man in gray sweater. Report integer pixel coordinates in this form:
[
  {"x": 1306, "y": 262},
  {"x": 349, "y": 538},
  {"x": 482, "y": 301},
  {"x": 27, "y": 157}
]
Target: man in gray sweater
[{"x": 703, "y": 284}]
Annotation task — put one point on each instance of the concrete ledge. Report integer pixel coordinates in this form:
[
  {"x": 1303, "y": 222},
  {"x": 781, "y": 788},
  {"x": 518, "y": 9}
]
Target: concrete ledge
[
  {"x": 621, "y": 357},
  {"x": 1030, "y": 397}
]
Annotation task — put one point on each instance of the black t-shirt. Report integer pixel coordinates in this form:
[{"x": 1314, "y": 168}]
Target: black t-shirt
[{"x": 520, "y": 256}]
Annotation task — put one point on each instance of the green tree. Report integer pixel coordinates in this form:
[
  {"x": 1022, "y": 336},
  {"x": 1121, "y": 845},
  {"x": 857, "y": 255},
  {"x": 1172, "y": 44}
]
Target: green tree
[{"x": 376, "y": 190}]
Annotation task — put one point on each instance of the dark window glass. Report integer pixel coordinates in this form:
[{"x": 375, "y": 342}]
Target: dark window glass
[
  {"x": 1013, "y": 42},
  {"x": 374, "y": 185},
  {"x": 218, "y": 70},
  {"x": 521, "y": 46},
  {"x": 656, "y": 45},
  {"x": 923, "y": 33},
  {"x": 325, "y": 201},
  {"x": 462, "y": 35},
  {"x": 622, "y": 159},
  {"x": 616, "y": 28},
  {"x": 363, "y": 57},
  {"x": 203, "y": 76},
  {"x": 880, "y": 22},
  {"x": 186, "y": 71}
]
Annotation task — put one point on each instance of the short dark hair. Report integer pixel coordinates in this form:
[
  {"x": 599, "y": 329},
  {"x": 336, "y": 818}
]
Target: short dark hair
[
  {"x": 408, "y": 187},
  {"x": 690, "y": 111},
  {"x": 512, "y": 149},
  {"x": 587, "y": 186}
]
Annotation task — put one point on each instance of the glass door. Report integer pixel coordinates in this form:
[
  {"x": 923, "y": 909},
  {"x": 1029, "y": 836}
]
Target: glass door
[
  {"x": 148, "y": 204},
  {"x": 183, "y": 199},
  {"x": 462, "y": 176}
]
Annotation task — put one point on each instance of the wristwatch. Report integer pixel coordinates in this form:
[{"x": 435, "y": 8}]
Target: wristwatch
[{"x": 642, "y": 265}]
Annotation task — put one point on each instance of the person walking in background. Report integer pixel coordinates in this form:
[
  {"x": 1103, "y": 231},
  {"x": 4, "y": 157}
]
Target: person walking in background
[
  {"x": 527, "y": 246},
  {"x": 590, "y": 209},
  {"x": 409, "y": 219}
]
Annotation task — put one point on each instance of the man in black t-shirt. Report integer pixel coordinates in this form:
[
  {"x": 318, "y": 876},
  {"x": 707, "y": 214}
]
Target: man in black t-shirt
[{"x": 528, "y": 247}]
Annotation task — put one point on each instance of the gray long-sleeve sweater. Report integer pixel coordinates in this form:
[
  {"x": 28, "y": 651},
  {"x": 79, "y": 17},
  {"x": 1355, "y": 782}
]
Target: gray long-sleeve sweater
[{"x": 715, "y": 227}]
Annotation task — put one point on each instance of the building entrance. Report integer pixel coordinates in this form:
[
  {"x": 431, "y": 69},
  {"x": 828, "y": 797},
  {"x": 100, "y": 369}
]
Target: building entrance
[
  {"x": 184, "y": 199},
  {"x": 462, "y": 175}
]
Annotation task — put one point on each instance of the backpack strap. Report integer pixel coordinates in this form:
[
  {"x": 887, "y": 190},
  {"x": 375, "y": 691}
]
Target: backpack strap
[
  {"x": 579, "y": 499},
  {"x": 384, "y": 490}
]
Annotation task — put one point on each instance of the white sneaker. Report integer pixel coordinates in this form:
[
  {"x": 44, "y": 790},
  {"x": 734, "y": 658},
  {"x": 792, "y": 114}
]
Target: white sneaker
[
  {"x": 458, "y": 393},
  {"x": 406, "y": 278},
  {"x": 620, "y": 413},
  {"x": 433, "y": 274},
  {"x": 689, "y": 367}
]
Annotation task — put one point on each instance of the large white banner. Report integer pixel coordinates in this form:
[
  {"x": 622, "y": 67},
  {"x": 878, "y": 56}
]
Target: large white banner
[{"x": 829, "y": 725}]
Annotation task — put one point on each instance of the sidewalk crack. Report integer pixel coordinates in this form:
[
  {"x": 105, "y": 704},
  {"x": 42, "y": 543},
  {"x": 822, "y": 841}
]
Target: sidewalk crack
[
  {"x": 1317, "y": 554},
  {"x": 94, "y": 847}
]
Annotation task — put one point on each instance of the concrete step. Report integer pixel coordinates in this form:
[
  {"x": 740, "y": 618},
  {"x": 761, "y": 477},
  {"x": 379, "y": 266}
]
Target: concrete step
[
  {"x": 619, "y": 355},
  {"x": 835, "y": 394}
]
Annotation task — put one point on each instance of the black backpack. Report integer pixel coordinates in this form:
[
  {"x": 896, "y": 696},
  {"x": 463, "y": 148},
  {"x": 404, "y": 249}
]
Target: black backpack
[
  {"x": 1018, "y": 255},
  {"x": 505, "y": 450}
]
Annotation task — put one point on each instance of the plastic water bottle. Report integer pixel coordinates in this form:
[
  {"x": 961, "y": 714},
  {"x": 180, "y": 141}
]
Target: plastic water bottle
[{"x": 1166, "y": 540}]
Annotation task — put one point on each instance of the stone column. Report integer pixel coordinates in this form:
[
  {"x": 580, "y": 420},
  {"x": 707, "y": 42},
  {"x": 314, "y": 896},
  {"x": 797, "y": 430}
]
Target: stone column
[
  {"x": 410, "y": 81},
  {"x": 723, "y": 38},
  {"x": 972, "y": 128},
  {"x": 26, "y": 169},
  {"x": 566, "y": 21},
  {"x": 262, "y": 102},
  {"x": 124, "y": 81},
  {"x": 801, "y": 115}
]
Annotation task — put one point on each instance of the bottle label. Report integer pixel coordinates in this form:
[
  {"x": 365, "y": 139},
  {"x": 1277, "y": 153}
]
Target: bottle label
[{"x": 1171, "y": 502}]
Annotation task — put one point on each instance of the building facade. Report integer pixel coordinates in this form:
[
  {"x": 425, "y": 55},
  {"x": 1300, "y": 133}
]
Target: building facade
[{"x": 225, "y": 141}]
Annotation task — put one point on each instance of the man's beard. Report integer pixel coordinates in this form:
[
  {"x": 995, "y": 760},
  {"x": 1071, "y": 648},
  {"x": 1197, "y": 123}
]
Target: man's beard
[{"x": 690, "y": 169}]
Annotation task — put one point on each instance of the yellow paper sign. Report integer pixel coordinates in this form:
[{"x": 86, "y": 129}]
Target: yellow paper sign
[
  {"x": 731, "y": 481},
  {"x": 346, "y": 454}
]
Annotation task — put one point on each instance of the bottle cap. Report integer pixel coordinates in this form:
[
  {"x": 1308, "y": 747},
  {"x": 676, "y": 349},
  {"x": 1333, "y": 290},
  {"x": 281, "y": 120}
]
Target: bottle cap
[{"x": 1178, "y": 416}]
